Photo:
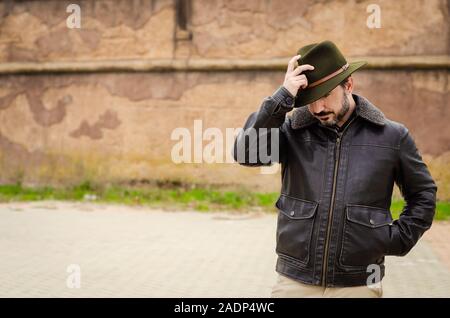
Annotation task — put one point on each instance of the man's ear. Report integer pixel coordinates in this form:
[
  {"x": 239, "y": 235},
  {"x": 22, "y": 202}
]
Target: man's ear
[{"x": 349, "y": 85}]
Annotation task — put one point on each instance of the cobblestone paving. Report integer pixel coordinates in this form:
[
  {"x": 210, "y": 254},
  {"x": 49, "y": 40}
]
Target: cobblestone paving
[{"x": 138, "y": 252}]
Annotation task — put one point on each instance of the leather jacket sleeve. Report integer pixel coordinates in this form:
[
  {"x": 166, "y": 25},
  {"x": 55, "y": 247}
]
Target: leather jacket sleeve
[
  {"x": 419, "y": 191},
  {"x": 260, "y": 142}
]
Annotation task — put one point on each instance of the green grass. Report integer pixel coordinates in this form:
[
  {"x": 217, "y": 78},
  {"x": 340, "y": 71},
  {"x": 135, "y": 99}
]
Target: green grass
[{"x": 197, "y": 198}]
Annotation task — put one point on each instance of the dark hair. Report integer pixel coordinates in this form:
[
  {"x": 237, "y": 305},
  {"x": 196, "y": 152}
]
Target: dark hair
[{"x": 344, "y": 81}]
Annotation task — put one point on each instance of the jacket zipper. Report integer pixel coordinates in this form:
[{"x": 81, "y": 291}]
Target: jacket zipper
[{"x": 330, "y": 212}]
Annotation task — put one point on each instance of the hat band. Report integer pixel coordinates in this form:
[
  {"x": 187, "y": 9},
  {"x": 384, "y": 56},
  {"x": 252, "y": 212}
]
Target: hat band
[{"x": 326, "y": 78}]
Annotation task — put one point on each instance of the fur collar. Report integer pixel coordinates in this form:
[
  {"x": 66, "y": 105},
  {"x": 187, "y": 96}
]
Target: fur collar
[{"x": 301, "y": 117}]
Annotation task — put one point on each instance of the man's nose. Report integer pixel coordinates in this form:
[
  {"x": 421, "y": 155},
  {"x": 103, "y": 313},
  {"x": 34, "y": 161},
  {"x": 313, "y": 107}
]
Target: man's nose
[{"x": 318, "y": 106}]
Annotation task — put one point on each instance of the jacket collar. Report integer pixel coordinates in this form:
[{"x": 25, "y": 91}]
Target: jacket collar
[{"x": 301, "y": 117}]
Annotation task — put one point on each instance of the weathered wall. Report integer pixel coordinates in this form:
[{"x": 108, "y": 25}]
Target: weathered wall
[
  {"x": 69, "y": 127},
  {"x": 117, "y": 29},
  {"x": 258, "y": 29},
  {"x": 37, "y": 31}
]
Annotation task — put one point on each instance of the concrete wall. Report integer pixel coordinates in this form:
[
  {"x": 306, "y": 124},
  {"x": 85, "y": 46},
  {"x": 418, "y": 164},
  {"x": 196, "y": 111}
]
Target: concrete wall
[{"x": 69, "y": 126}]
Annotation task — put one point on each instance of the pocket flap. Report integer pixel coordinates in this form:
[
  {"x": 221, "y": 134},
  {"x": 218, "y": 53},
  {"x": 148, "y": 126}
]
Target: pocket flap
[
  {"x": 296, "y": 208},
  {"x": 368, "y": 216}
]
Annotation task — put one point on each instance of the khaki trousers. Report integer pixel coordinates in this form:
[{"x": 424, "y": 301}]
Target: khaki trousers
[{"x": 289, "y": 288}]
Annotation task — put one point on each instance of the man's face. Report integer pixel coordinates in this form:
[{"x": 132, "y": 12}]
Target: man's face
[{"x": 331, "y": 108}]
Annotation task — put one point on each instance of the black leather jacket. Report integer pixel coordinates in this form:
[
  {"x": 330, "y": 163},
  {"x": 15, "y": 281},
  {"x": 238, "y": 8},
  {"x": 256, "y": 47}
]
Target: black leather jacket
[{"x": 334, "y": 219}]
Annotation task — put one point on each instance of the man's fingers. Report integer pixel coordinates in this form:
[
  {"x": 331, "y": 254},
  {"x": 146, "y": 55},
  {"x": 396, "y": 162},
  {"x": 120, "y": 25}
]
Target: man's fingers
[
  {"x": 301, "y": 81},
  {"x": 302, "y": 84},
  {"x": 299, "y": 77},
  {"x": 292, "y": 61},
  {"x": 300, "y": 69}
]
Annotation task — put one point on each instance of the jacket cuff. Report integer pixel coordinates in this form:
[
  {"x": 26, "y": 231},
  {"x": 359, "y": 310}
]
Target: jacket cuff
[
  {"x": 284, "y": 100},
  {"x": 283, "y": 96}
]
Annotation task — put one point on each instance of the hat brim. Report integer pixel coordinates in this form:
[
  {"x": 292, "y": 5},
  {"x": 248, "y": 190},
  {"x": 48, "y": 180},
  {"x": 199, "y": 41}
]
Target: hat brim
[{"x": 310, "y": 95}]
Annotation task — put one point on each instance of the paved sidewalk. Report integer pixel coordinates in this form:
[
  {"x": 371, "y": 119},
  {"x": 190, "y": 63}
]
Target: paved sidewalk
[{"x": 137, "y": 252}]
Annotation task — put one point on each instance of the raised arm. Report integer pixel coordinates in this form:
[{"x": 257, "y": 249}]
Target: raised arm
[{"x": 260, "y": 142}]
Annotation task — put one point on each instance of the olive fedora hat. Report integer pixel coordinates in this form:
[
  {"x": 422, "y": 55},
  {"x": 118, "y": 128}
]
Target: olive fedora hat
[{"x": 330, "y": 69}]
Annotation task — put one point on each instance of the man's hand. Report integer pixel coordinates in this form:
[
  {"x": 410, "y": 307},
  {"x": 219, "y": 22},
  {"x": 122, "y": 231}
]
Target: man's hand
[{"x": 294, "y": 79}]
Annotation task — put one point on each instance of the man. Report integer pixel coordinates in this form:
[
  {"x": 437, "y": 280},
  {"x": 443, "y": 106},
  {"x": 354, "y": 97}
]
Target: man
[{"x": 340, "y": 157}]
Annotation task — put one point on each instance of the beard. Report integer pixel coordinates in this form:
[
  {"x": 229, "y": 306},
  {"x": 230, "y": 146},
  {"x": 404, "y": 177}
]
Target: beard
[{"x": 341, "y": 114}]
